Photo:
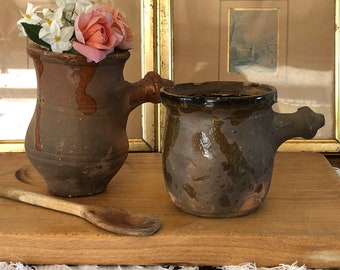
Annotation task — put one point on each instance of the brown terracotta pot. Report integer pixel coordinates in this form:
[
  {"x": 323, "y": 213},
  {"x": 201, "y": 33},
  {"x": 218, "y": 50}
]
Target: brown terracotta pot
[
  {"x": 77, "y": 136},
  {"x": 219, "y": 144}
]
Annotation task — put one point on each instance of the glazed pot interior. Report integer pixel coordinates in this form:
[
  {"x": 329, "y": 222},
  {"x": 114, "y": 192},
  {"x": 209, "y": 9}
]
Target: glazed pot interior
[{"x": 219, "y": 93}]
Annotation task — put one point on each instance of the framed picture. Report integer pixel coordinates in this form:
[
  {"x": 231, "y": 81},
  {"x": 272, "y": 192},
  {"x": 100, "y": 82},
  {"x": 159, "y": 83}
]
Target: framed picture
[
  {"x": 18, "y": 79},
  {"x": 253, "y": 40},
  {"x": 292, "y": 45}
]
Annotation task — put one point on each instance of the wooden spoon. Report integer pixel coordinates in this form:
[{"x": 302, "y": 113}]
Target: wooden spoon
[{"x": 114, "y": 220}]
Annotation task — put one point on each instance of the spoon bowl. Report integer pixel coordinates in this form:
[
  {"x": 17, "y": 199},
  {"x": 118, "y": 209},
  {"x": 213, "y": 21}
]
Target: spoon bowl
[{"x": 121, "y": 221}]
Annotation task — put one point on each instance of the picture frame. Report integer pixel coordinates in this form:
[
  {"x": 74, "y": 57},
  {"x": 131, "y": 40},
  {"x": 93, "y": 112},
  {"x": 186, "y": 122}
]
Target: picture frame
[
  {"x": 256, "y": 41},
  {"x": 308, "y": 61}
]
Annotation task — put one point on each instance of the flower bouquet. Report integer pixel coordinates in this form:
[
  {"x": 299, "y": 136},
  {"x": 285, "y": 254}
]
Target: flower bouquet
[{"x": 77, "y": 26}]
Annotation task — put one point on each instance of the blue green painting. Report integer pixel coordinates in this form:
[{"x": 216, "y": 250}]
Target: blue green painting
[{"x": 253, "y": 40}]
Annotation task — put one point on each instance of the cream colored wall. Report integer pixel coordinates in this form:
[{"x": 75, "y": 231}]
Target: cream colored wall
[{"x": 308, "y": 63}]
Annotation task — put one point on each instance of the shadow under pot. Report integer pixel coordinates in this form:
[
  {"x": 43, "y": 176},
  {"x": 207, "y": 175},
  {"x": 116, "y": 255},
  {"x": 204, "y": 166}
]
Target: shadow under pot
[{"x": 219, "y": 144}]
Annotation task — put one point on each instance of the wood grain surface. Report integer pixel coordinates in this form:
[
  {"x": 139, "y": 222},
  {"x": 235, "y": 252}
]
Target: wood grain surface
[{"x": 299, "y": 220}]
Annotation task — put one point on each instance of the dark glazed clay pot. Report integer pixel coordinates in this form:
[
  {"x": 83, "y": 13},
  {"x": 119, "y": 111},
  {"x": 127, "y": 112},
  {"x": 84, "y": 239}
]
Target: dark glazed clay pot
[
  {"x": 77, "y": 136},
  {"x": 219, "y": 144}
]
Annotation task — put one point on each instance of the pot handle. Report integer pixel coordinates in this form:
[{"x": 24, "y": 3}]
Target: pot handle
[
  {"x": 147, "y": 89},
  {"x": 303, "y": 123}
]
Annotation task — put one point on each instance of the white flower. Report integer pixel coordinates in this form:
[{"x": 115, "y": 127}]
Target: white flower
[
  {"x": 68, "y": 4},
  {"x": 82, "y": 6},
  {"x": 58, "y": 38},
  {"x": 54, "y": 32},
  {"x": 72, "y": 8},
  {"x": 50, "y": 16},
  {"x": 30, "y": 17},
  {"x": 68, "y": 7}
]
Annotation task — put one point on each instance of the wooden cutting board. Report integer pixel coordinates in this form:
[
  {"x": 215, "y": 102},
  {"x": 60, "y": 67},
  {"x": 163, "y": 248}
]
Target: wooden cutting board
[{"x": 299, "y": 220}]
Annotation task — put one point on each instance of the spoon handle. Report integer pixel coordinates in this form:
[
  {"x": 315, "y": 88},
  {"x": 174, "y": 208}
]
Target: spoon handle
[
  {"x": 41, "y": 200},
  {"x": 110, "y": 219}
]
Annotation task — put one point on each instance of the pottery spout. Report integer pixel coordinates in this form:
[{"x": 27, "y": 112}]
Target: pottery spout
[
  {"x": 303, "y": 123},
  {"x": 147, "y": 89}
]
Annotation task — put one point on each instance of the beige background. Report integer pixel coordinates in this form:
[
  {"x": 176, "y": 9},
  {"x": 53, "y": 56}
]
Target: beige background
[
  {"x": 198, "y": 42},
  {"x": 309, "y": 58}
]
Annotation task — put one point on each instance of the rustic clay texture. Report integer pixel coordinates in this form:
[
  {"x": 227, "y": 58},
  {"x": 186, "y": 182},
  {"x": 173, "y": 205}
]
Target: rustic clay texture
[
  {"x": 219, "y": 145},
  {"x": 77, "y": 136}
]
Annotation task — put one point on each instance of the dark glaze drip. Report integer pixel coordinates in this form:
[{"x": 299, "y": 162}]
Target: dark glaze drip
[
  {"x": 39, "y": 70},
  {"x": 86, "y": 104}
]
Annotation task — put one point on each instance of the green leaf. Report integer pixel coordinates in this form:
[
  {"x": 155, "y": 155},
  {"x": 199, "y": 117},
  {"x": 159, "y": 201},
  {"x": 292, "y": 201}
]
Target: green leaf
[
  {"x": 32, "y": 31},
  {"x": 73, "y": 51}
]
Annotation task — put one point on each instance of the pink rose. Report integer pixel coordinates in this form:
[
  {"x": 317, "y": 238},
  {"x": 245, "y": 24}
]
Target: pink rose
[
  {"x": 94, "y": 34},
  {"x": 122, "y": 31}
]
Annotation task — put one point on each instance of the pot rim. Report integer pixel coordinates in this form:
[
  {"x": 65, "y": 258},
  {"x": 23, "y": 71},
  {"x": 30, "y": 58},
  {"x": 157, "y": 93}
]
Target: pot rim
[
  {"x": 218, "y": 94},
  {"x": 45, "y": 55}
]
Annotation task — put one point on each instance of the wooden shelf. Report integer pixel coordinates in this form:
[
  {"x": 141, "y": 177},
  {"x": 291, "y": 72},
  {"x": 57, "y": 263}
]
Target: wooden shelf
[{"x": 299, "y": 221}]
